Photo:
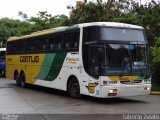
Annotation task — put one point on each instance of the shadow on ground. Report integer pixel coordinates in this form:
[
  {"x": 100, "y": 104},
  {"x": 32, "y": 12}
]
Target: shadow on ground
[{"x": 56, "y": 92}]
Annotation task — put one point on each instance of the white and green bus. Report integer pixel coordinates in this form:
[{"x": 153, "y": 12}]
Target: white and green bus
[{"x": 99, "y": 59}]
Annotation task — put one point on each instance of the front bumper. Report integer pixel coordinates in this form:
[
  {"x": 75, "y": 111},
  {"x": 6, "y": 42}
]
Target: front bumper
[{"x": 124, "y": 90}]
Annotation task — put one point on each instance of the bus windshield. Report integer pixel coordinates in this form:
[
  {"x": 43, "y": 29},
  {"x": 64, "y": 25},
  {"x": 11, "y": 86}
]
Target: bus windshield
[
  {"x": 124, "y": 60},
  {"x": 115, "y": 51},
  {"x": 121, "y": 34},
  {"x": 118, "y": 59}
]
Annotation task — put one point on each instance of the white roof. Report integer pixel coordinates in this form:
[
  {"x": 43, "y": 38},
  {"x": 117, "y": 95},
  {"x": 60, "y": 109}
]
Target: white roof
[
  {"x": 52, "y": 30},
  {"x": 111, "y": 24}
]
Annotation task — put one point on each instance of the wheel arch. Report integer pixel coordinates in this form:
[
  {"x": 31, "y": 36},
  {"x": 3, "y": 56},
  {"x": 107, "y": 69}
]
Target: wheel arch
[
  {"x": 23, "y": 73},
  {"x": 15, "y": 72},
  {"x": 69, "y": 78}
]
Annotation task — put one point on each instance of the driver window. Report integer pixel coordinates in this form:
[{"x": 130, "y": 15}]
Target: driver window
[{"x": 96, "y": 60}]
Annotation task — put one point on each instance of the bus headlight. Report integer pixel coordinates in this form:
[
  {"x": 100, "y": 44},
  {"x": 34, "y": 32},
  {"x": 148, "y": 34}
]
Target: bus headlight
[
  {"x": 113, "y": 91},
  {"x": 147, "y": 88}
]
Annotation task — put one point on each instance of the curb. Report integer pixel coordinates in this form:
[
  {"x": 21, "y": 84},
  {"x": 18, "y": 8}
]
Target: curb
[{"x": 154, "y": 93}]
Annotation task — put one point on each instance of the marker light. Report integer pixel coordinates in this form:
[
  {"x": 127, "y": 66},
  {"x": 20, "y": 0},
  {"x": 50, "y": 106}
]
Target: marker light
[{"x": 105, "y": 82}]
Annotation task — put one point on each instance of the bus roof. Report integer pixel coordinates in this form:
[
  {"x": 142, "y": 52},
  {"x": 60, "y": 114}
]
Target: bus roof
[
  {"x": 43, "y": 32},
  {"x": 111, "y": 24},
  {"x": 65, "y": 28}
]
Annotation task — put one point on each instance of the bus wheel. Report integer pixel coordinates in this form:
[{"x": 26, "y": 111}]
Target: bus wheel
[
  {"x": 73, "y": 88},
  {"x": 22, "y": 80},
  {"x": 16, "y": 78}
]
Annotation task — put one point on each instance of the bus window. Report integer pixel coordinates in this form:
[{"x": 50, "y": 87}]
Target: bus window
[{"x": 91, "y": 34}]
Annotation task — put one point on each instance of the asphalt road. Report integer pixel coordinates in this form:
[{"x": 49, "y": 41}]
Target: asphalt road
[{"x": 44, "y": 104}]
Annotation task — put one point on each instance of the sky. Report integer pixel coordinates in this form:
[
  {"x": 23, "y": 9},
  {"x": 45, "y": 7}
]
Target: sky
[{"x": 10, "y": 8}]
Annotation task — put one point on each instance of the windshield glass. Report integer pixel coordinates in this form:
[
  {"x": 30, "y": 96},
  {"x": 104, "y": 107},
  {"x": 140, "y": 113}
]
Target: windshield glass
[
  {"x": 122, "y": 59},
  {"x": 122, "y": 34},
  {"x": 114, "y": 51}
]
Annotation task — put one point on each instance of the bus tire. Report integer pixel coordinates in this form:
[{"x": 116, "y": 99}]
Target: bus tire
[
  {"x": 16, "y": 78},
  {"x": 74, "y": 88},
  {"x": 22, "y": 80}
]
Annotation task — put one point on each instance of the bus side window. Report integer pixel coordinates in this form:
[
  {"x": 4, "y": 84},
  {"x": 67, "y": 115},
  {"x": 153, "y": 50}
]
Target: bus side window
[
  {"x": 44, "y": 47},
  {"x": 71, "y": 40},
  {"x": 51, "y": 46},
  {"x": 24, "y": 46},
  {"x": 76, "y": 39},
  {"x": 47, "y": 43},
  {"x": 60, "y": 42},
  {"x": 51, "y": 43},
  {"x": 90, "y": 34},
  {"x": 31, "y": 44},
  {"x": 59, "y": 46}
]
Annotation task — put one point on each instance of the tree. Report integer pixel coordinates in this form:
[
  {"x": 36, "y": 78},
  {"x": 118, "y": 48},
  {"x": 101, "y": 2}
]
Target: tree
[
  {"x": 10, "y": 27},
  {"x": 44, "y": 20},
  {"x": 155, "y": 64}
]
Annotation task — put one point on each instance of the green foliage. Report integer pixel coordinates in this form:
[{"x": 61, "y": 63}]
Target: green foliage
[
  {"x": 93, "y": 12},
  {"x": 44, "y": 20},
  {"x": 148, "y": 17},
  {"x": 155, "y": 64},
  {"x": 10, "y": 27}
]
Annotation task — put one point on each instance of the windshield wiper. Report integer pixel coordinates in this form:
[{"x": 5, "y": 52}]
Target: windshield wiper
[{"x": 121, "y": 73}]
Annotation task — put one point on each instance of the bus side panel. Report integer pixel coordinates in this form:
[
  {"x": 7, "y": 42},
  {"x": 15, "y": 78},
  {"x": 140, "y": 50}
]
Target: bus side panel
[
  {"x": 12, "y": 64},
  {"x": 55, "y": 70},
  {"x": 69, "y": 67},
  {"x": 29, "y": 64}
]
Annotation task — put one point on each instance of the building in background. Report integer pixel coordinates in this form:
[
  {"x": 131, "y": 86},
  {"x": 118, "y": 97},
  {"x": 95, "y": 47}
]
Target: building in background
[{"x": 78, "y": 6}]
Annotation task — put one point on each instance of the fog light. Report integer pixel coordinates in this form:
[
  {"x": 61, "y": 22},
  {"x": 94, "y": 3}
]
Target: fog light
[
  {"x": 147, "y": 88},
  {"x": 112, "y": 92}
]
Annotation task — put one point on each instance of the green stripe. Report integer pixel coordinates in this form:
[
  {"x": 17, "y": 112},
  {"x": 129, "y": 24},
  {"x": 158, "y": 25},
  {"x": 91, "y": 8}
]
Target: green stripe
[
  {"x": 46, "y": 65},
  {"x": 51, "y": 66}
]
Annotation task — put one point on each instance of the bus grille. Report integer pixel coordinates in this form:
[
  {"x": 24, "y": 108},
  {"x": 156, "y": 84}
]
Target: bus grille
[{"x": 130, "y": 82}]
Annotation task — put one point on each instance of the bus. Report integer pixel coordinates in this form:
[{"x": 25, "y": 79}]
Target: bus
[
  {"x": 2, "y": 62},
  {"x": 99, "y": 59}
]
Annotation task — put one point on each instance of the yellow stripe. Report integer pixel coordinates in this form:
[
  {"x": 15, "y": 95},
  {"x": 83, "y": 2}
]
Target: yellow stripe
[
  {"x": 115, "y": 78},
  {"x": 72, "y": 62},
  {"x": 155, "y": 93}
]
